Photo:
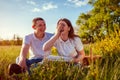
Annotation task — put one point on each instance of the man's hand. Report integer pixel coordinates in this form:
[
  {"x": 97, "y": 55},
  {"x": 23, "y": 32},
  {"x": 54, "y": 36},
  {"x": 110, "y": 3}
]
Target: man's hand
[
  {"x": 23, "y": 55},
  {"x": 22, "y": 63}
]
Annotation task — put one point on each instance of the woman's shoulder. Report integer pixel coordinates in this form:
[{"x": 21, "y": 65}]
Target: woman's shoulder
[{"x": 76, "y": 38}]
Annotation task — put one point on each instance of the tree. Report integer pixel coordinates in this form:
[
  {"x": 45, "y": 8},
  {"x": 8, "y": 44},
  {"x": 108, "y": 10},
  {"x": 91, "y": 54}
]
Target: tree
[{"x": 103, "y": 19}]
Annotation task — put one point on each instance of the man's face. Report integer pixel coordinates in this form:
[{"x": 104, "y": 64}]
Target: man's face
[{"x": 40, "y": 26}]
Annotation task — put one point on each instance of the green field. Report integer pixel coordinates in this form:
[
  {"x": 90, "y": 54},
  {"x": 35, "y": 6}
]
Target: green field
[{"x": 108, "y": 68}]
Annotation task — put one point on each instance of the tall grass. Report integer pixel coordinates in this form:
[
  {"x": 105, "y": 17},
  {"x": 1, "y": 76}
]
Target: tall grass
[
  {"x": 107, "y": 68},
  {"x": 7, "y": 56}
]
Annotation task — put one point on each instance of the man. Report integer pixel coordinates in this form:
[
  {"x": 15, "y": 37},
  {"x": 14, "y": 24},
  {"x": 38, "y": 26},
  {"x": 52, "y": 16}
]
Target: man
[{"x": 33, "y": 43}]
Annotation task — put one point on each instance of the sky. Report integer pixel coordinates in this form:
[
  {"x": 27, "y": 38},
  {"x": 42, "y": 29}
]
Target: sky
[{"x": 16, "y": 15}]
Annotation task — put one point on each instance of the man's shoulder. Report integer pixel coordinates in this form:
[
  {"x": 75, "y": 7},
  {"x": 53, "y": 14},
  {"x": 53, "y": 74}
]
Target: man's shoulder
[
  {"x": 49, "y": 34},
  {"x": 28, "y": 35}
]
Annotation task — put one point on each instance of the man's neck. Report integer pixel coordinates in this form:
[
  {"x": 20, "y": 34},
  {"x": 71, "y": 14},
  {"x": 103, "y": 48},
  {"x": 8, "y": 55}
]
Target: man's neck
[{"x": 40, "y": 36}]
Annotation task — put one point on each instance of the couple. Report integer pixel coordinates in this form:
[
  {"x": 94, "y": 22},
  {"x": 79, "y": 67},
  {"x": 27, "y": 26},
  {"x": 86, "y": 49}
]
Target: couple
[{"x": 39, "y": 44}]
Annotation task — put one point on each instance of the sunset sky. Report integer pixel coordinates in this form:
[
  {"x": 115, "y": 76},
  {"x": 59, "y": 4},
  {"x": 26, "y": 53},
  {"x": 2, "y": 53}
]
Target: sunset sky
[{"x": 16, "y": 15}]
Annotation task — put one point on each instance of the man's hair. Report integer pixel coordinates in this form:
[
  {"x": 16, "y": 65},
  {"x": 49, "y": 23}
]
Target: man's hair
[{"x": 35, "y": 20}]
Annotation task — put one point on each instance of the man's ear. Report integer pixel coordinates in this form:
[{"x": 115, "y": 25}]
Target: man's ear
[{"x": 33, "y": 27}]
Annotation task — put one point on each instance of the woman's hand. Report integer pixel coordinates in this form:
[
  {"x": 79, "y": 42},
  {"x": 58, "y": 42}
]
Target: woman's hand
[
  {"x": 59, "y": 29},
  {"x": 78, "y": 59}
]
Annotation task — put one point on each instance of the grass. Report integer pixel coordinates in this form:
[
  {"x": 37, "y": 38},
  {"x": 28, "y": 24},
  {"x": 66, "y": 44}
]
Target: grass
[{"x": 108, "y": 68}]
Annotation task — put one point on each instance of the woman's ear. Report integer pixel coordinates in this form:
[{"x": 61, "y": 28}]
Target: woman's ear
[{"x": 69, "y": 28}]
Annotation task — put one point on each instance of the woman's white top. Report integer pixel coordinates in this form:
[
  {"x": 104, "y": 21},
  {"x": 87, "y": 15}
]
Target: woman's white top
[{"x": 68, "y": 48}]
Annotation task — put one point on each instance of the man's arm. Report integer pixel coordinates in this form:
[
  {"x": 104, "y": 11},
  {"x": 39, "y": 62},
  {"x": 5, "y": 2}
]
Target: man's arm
[{"x": 23, "y": 56}]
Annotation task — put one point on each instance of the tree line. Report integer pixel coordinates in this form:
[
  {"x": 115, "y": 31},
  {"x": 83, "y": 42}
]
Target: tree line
[{"x": 16, "y": 40}]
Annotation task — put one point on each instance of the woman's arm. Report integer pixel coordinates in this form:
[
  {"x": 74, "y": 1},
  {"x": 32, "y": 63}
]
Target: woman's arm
[
  {"x": 80, "y": 57},
  {"x": 48, "y": 45}
]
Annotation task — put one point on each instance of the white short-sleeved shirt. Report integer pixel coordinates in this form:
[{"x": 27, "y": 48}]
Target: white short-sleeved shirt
[
  {"x": 68, "y": 48},
  {"x": 36, "y": 45}
]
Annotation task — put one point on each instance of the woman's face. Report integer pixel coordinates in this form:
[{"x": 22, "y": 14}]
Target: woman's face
[{"x": 65, "y": 28}]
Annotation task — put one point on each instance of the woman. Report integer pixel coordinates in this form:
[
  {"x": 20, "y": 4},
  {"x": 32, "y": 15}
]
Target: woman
[{"x": 67, "y": 43}]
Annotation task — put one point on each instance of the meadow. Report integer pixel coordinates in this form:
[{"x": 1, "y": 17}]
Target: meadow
[{"x": 107, "y": 68}]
